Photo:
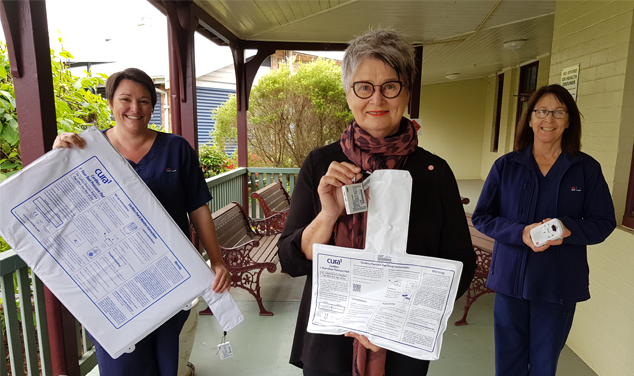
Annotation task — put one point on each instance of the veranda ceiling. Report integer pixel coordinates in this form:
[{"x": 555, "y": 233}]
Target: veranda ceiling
[{"x": 463, "y": 36}]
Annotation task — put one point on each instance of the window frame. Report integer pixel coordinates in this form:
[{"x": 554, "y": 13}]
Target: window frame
[
  {"x": 527, "y": 86},
  {"x": 495, "y": 143},
  {"x": 628, "y": 215}
]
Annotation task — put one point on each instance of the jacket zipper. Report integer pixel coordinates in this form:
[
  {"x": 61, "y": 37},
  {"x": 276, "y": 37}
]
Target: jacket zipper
[{"x": 521, "y": 262}]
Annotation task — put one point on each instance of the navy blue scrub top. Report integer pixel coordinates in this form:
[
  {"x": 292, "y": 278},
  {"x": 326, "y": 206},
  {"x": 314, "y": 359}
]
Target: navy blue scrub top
[
  {"x": 171, "y": 170},
  {"x": 543, "y": 280}
]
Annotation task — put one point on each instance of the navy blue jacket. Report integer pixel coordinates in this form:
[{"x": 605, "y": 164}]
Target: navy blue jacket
[{"x": 507, "y": 205}]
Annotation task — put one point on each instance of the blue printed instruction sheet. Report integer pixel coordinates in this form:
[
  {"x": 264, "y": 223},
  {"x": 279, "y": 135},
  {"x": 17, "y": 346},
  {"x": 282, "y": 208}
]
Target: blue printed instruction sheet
[
  {"x": 91, "y": 228},
  {"x": 399, "y": 301},
  {"x": 97, "y": 237}
]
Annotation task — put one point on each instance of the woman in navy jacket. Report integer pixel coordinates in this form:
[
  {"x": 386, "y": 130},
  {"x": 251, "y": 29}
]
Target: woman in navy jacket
[{"x": 537, "y": 288}]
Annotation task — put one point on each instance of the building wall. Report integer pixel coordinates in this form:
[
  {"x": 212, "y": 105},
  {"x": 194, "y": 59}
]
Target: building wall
[
  {"x": 507, "y": 119},
  {"x": 509, "y": 112},
  {"x": 600, "y": 37},
  {"x": 452, "y": 114}
]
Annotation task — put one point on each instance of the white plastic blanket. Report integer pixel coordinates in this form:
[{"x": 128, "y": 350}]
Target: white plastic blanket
[
  {"x": 401, "y": 302},
  {"x": 94, "y": 233}
]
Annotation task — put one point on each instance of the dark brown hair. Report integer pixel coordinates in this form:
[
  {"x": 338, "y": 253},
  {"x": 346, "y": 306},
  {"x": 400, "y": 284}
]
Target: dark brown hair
[
  {"x": 571, "y": 139},
  {"x": 132, "y": 74}
]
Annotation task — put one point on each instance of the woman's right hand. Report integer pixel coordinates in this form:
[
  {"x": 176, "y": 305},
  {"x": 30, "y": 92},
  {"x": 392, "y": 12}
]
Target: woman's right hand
[
  {"x": 67, "y": 140},
  {"x": 329, "y": 189},
  {"x": 526, "y": 238},
  {"x": 332, "y": 205}
]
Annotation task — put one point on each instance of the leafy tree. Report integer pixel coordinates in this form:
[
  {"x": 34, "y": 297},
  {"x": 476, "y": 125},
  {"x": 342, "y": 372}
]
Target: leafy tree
[
  {"x": 290, "y": 113},
  {"x": 77, "y": 107}
]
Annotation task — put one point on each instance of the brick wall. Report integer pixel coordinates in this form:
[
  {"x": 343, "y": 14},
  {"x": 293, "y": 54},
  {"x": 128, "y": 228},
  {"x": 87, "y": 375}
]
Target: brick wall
[{"x": 598, "y": 35}]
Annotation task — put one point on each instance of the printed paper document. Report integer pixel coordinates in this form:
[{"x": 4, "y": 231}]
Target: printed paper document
[{"x": 94, "y": 233}]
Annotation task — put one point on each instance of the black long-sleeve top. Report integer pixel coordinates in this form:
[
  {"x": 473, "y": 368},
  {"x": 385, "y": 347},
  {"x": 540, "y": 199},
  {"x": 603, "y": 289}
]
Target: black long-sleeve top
[{"x": 437, "y": 228}]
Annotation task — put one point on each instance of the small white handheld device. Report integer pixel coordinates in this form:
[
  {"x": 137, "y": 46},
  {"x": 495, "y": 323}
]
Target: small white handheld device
[{"x": 551, "y": 230}]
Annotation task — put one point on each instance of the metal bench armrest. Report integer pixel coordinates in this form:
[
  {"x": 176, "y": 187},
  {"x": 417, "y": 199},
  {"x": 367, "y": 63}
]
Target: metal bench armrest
[{"x": 269, "y": 226}]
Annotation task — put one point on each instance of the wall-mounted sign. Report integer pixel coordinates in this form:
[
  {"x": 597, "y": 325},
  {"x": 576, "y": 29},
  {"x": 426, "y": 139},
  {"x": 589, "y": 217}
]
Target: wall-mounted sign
[{"x": 570, "y": 79}]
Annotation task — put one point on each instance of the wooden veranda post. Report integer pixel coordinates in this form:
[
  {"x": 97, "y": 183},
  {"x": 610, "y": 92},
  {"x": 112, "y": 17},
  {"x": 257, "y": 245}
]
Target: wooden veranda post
[
  {"x": 245, "y": 75},
  {"x": 26, "y": 30},
  {"x": 182, "y": 24}
]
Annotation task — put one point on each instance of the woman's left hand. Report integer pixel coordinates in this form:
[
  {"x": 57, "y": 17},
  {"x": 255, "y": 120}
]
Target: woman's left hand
[
  {"x": 222, "y": 281},
  {"x": 526, "y": 236},
  {"x": 566, "y": 233},
  {"x": 364, "y": 341}
]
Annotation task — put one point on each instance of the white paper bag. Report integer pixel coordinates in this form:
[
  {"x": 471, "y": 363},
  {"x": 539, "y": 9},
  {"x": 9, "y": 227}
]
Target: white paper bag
[
  {"x": 401, "y": 302},
  {"x": 94, "y": 233}
]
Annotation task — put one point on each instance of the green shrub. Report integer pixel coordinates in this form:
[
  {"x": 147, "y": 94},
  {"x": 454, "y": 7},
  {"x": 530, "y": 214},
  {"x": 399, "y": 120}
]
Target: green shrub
[{"x": 213, "y": 160}]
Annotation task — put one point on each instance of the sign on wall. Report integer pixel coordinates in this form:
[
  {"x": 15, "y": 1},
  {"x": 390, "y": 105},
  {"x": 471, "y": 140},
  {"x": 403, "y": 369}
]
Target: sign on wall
[{"x": 570, "y": 79}]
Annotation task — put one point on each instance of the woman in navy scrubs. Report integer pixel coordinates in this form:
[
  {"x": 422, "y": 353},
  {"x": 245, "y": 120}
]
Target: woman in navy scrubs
[
  {"x": 170, "y": 168},
  {"x": 537, "y": 288}
]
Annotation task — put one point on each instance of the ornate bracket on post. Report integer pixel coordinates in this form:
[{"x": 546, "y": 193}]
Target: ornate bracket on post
[
  {"x": 182, "y": 29},
  {"x": 182, "y": 23},
  {"x": 245, "y": 74}
]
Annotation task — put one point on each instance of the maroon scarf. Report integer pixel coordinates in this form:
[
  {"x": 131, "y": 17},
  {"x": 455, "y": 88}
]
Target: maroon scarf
[{"x": 370, "y": 154}]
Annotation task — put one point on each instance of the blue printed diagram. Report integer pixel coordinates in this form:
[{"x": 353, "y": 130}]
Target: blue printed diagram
[
  {"x": 93, "y": 252},
  {"x": 109, "y": 241},
  {"x": 130, "y": 228},
  {"x": 75, "y": 238},
  {"x": 47, "y": 212}
]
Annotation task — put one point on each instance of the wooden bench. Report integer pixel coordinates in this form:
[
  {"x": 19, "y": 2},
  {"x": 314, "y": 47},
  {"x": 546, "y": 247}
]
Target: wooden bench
[
  {"x": 248, "y": 247},
  {"x": 273, "y": 199},
  {"x": 483, "y": 247}
]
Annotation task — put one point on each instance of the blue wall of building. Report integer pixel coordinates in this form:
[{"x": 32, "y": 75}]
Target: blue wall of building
[
  {"x": 207, "y": 100},
  {"x": 156, "y": 115}
]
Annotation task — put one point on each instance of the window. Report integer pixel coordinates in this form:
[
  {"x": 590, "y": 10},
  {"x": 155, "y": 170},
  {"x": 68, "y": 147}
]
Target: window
[
  {"x": 528, "y": 85},
  {"x": 498, "y": 113},
  {"x": 628, "y": 217}
]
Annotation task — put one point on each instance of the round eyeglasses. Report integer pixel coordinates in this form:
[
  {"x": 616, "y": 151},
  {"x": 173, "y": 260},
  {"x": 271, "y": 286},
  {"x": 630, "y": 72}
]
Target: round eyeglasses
[
  {"x": 557, "y": 114},
  {"x": 365, "y": 90}
]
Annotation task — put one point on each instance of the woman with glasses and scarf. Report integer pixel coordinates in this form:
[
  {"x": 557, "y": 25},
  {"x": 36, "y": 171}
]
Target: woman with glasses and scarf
[
  {"x": 377, "y": 74},
  {"x": 537, "y": 288}
]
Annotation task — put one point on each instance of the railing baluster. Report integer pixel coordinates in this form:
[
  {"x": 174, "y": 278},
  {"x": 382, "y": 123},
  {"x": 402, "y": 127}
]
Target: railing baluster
[
  {"x": 283, "y": 178},
  {"x": 11, "y": 324},
  {"x": 28, "y": 326},
  {"x": 87, "y": 360},
  {"x": 261, "y": 178},
  {"x": 42, "y": 326},
  {"x": 78, "y": 339},
  {"x": 292, "y": 184},
  {"x": 86, "y": 342},
  {"x": 253, "y": 189},
  {"x": 3, "y": 360}
]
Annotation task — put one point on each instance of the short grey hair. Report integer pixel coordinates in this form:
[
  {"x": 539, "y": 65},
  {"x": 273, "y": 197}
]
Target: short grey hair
[{"x": 386, "y": 45}]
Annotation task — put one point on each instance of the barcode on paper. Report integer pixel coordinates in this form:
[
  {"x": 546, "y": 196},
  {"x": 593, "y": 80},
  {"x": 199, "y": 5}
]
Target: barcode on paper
[{"x": 356, "y": 287}]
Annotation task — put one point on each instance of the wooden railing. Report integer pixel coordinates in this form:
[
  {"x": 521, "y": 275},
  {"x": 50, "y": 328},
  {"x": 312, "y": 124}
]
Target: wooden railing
[
  {"x": 15, "y": 276},
  {"x": 227, "y": 187}
]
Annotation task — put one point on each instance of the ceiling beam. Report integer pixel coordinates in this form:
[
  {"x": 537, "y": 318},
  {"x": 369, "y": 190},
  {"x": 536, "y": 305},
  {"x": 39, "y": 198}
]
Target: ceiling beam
[
  {"x": 213, "y": 26},
  {"x": 291, "y": 46}
]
